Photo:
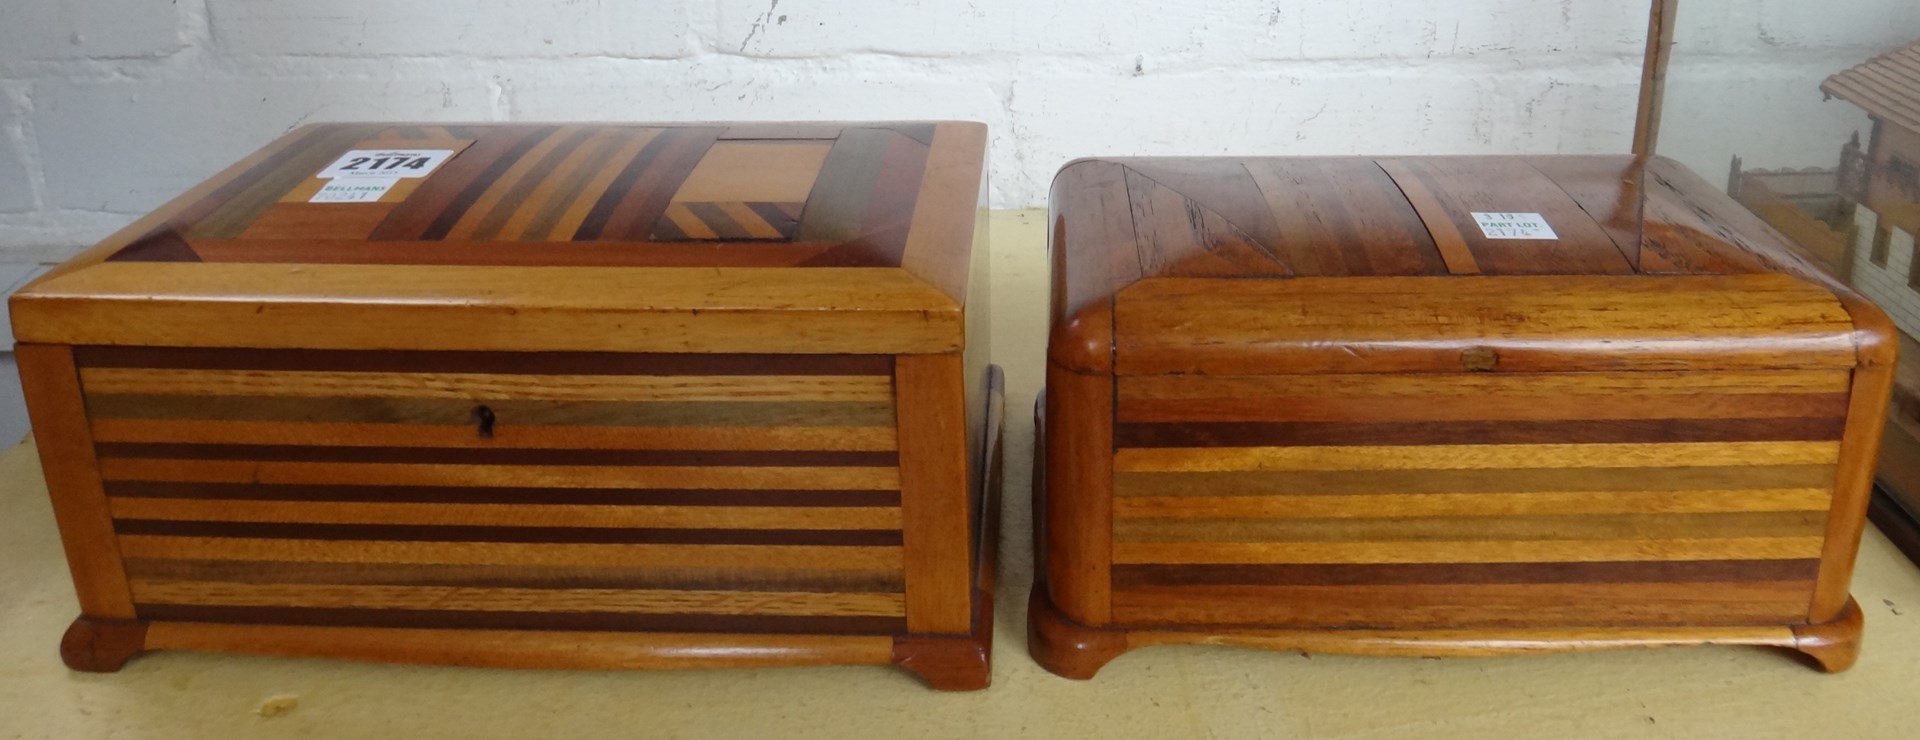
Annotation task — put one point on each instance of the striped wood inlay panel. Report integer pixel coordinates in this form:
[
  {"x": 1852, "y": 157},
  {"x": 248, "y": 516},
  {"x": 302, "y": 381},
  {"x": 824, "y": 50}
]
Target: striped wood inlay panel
[
  {"x": 469, "y": 490},
  {"x": 216, "y": 593},
  {"x": 594, "y": 194},
  {"x": 1473, "y": 500}
]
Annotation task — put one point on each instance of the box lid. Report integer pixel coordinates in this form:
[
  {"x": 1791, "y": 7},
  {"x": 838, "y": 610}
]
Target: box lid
[
  {"x": 1431, "y": 264},
  {"x": 744, "y": 237}
]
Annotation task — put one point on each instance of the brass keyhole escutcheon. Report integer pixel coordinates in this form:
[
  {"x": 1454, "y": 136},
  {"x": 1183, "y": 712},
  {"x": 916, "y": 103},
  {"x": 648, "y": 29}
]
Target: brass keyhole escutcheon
[
  {"x": 483, "y": 421},
  {"x": 1479, "y": 359}
]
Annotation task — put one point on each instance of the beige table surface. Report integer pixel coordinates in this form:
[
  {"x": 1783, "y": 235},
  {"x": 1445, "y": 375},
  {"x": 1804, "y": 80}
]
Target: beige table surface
[{"x": 1180, "y": 691}]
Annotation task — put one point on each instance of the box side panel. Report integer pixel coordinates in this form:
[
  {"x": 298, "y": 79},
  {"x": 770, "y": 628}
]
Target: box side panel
[
  {"x": 1474, "y": 499},
  {"x": 560, "y": 309},
  {"x": 1853, "y": 487},
  {"x": 58, "y": 413},
  {"x": 935, "y": 492},
  {"x": 1480, "y": 323},
  {"x": 1079, "y": 493},
  {"x": 577, "y": 491}
]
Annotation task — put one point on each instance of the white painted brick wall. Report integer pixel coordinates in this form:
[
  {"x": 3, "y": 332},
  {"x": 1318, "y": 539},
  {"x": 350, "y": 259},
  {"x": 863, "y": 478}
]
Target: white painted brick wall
[
  {"x": 98, "y": 158},
  {"x": 16, "y": 183},
  {"x": 90, "y": 29},
  {"x": 108, "y": 107},
  {"x": 485, "y": 28}
]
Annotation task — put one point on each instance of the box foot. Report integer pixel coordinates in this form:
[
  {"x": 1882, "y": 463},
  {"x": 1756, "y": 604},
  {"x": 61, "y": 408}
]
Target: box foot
[
  {"x": 98, "y": 645},
  {"x": 1833, "y": 646},
  {"x": 958, "y": 663},
  {"x": 947, "y": 663},
  {"x": 965, "y": 662},
  {"x": 1064, "y": 647}
]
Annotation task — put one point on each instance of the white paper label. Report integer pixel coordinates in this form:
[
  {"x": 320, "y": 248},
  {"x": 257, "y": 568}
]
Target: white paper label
[
  {"x": 354, "y": 190},
  {"x": 386, "y": 164},
  {"x": 1514, "y": 226}
]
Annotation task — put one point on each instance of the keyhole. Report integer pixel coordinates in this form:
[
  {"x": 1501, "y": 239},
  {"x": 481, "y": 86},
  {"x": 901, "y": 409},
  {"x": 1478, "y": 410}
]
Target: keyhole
[{"x": 483, "y": 420}]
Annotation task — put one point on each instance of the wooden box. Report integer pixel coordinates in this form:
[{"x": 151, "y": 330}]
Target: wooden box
[
  {"x": 618, "y": 396},
  {"x": 1373, "y": 406}
]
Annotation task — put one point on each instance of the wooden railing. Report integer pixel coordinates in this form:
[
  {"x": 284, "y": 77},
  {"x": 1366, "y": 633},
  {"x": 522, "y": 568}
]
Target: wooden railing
[{"x": 1830, "y": 248}]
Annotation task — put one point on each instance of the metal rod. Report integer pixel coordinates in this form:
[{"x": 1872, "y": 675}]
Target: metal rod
[{"x": 1653, "y": 76}]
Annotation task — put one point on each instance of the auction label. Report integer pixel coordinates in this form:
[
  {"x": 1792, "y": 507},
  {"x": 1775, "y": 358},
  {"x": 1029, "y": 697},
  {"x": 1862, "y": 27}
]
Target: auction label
[
  {"x": 386, "y": 163},
  {"x": 1514, "y": 226},
  {"x": 354, "y": 190}
]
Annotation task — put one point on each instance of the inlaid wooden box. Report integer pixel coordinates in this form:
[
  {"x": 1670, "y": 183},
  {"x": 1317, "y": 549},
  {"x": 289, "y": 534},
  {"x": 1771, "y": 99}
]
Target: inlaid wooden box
[
  {"x": 536, "y": 395},
  {"x": 1437, "y": 406}
]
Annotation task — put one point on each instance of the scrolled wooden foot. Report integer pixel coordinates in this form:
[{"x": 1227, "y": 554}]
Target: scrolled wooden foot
[
  {"x": 100, "y": 645},
  {"x": 1835, "y": 645},
  {"x": 946, "y": 664},
  {"x": 1064, "y": 647},
  {"x": 959, "y": 663}
]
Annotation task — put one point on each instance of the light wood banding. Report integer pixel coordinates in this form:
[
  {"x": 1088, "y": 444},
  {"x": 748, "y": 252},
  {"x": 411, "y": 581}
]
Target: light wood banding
[{"x": 1319, "y": 401}]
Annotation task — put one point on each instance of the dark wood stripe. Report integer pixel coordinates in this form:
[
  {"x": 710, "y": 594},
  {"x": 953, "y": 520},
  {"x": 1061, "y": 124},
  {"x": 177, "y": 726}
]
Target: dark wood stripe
[
  {"x": 162, "y": 244},
  {"x": 1205, "y": 219},
  {"x": 877, "y": 231},
  {"x": 533, "y": 413},
  {"x": 570, "y": 621},
  {"x": 1607, "y": 191},
  {"x": 337, "y": 251},
  {"x": 264, "y": 185},
  {"x": 568, "y": 191},
  {"x": 920, "y": 132},
  {"x": 527, "y": 363},
  {"x": 464, "y": 495},
  {"x": 1469, "y": 404},
  {"x": 639, "y": 196},
  {"x": 1520, "y": 528},
  {"x": 1451, "y": 606},
  {"x": 455, "y": 456},
  {"x": 1361, "y": 482},
  {"x": 782, "y": 220},
  {"x": 666, "y": 230},
  {"x": 482, "y": 182},
  {"x": 522, "y": 576},
  {"x": 516, "y": 196},
  {"x": 567, "y": 535},
  {"x": 1574, "y": 431},
  {"x": 837, "y": 207},
  {"x": 722, "y": 224},
  {"x": 597, "y": 218},
  {"x": 474, "y": 169},
  {"x": 890, "y": 210},
  {"x": 1702, "y": 571},
  {"x": 902, "y": 166}
]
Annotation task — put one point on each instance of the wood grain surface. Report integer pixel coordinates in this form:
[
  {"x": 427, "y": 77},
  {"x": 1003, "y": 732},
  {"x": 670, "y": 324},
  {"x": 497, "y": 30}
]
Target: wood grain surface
[
  {"x": 1617, "y": 217},
  {"x": 732, "y": 493},
  {"x": 553, "y": 237},
  {"x": 1288, "y": 395},
  {"x": 690, "y": 383},
  {"x": 510, "y": 188}
]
